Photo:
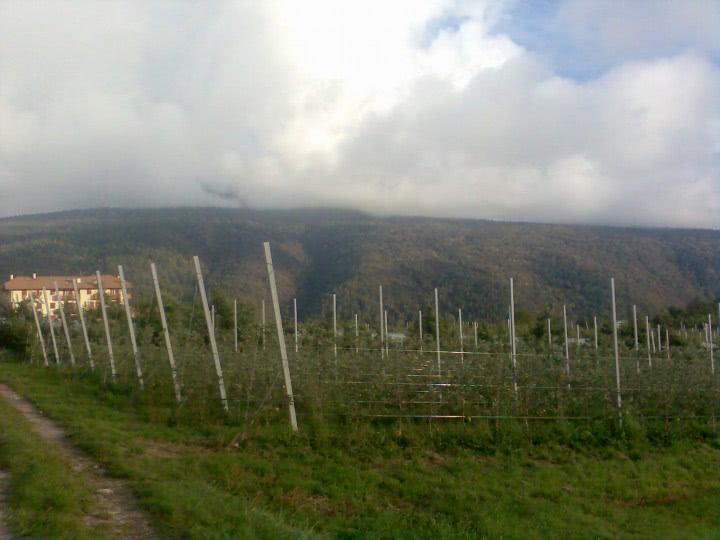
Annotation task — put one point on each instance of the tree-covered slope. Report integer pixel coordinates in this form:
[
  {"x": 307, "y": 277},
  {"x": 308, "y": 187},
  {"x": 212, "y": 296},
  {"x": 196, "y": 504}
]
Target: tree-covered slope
[{"x": 318, "y": 252}]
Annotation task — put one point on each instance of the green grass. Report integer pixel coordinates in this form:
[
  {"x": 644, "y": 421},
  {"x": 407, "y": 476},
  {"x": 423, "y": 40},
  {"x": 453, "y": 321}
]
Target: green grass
[
  {"x": 45, "y": 500},
  {"x": 385, "y": 480}
]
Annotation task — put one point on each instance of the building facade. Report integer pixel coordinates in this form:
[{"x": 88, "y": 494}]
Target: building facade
[{"x": 18, "y": 289}]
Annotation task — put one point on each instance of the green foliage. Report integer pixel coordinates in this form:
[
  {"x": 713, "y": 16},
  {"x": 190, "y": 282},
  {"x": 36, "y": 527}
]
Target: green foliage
[
  {"x": 694, "y": 314},
  {"x": 15, "y": 328},
  {"x": 14, "y": 336},
  {"x": 320, "y": 252},
  {"x": 225, "y": 314},
  {"x": 391, "y": 479}
]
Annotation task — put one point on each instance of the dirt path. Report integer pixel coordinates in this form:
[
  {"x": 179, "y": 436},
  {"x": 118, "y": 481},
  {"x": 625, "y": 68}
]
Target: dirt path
[{"x": 114, "y": 508}]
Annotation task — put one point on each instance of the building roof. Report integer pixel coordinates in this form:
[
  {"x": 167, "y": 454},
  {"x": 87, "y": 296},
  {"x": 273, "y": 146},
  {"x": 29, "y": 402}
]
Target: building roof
[{"x": 65, "y": 283}]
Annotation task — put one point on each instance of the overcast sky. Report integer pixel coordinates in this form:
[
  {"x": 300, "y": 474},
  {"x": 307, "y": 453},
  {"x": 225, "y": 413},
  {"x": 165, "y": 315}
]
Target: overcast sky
[{"x": 577, "y": 111}]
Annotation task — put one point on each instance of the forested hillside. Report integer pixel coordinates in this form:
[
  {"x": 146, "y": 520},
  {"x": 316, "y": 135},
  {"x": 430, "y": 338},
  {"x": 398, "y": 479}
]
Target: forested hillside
[{"x": 318, "y": 252}]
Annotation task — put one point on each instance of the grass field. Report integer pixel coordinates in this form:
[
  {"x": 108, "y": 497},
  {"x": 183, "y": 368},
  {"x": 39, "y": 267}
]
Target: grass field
[
  {"x": 370, "y": 479},
  {"x": 46, "y": 499}
]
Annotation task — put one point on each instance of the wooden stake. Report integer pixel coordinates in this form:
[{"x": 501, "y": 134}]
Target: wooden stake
[
  {"x": 437, "y": 332},
  {"x": 81, "y": 313},
  {"x": 296, "y": 323},
  {"x": 39, "y": 331},
  {"x": 334, "y": 297},
  {"x": 101, "y": 293},
  {"x": 509, "y": 329},
  {"x": 596, "y": 332},
  {"x": 106, "y": 323},
  {"x": 460, "y": 325},
  {"x": 235, "y": 325},
  {"x": 635, "y": 327},
  {"x": 512, "y": 336},
  {"x": 387, "y": 341},
  {"x": 710, "y": 345},
  {"x": 382, "y": 324},
  {"x": 64, "y": 323},
  {"x": 617, "y": 354},
  {"x": 648, "y": 334},
  {"x": 462, "y": 352},
  {"x": 420, "y": 326},
  {"x": 357, "y": 335},
  {"x": 281, "y": 337},
  {"x": 513, "y": 344},
  {"x": 131, "y": 328},
  {"x": 50, "y": 324},
  {"x": 706, "y": 338},
  {"x": 166, "y": 333},
  {"x": 211, "y": 333},
  {"x": 567, "y": 348},
  {"x": 549, "y": 333},
  {"x": 577, "y": 339},
  {"x": 667, "y": 343}
]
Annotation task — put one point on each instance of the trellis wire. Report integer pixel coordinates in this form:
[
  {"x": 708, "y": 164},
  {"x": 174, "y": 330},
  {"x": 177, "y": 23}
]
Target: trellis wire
[{"x": 473, "y": 382}]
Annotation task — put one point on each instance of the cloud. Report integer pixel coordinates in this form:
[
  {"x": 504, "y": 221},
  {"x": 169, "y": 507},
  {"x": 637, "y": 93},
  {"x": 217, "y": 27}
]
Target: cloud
[
  {"x": 584, "y": 38},
  {"x": 435, "y": 107}
]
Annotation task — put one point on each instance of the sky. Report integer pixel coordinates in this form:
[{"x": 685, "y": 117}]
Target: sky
[{"x": 563, "y": 111}]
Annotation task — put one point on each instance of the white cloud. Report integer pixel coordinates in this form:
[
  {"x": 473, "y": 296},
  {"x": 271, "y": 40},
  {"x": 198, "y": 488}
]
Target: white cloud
[{"x": 399, "y": 107}]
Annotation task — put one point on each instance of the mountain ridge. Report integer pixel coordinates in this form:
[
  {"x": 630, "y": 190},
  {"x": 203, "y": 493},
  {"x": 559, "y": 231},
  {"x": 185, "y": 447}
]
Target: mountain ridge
[{"x": 320, "y": 251}]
